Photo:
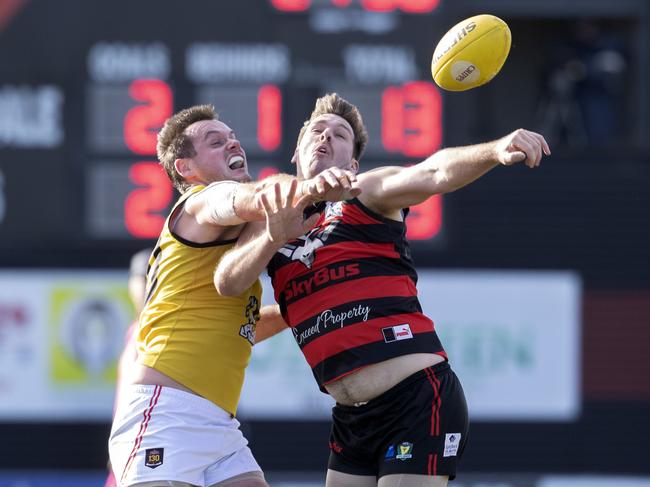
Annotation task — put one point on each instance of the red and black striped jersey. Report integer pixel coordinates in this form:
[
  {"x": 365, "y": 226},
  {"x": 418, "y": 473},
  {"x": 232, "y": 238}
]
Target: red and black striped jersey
[{"x": 348, "y": 291}]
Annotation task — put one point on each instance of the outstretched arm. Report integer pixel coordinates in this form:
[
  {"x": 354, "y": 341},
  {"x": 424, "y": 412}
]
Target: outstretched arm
[
  {"x": 270, "y": 323},
  {"x": 389, "y": 189},
  {"x": 241, "y": 266},
  {"x": 206, "y": 216}
]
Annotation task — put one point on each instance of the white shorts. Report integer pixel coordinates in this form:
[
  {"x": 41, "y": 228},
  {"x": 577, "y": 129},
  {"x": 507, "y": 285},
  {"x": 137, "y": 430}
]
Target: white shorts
[{"x": 161, "y": 433}]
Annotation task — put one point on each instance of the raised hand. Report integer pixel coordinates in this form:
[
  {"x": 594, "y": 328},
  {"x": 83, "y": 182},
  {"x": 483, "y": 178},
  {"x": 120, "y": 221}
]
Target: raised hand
[
  {"x": 522, "y": 145},
  {"x": 333, "y": 184},
  {"x": 284, "y": 218}
]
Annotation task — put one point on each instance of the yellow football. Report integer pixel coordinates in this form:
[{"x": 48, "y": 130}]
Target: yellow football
[{"x": 471, "y": 53}]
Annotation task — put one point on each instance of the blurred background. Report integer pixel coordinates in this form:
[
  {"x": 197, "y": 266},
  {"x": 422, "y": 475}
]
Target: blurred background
[{"x": 538, "y": 280}]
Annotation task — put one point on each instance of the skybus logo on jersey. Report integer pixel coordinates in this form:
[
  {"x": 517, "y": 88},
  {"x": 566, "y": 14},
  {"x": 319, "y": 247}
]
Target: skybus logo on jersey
[
  {"x": 397, "y": 332},
  {"x": 320, "y": 278}
]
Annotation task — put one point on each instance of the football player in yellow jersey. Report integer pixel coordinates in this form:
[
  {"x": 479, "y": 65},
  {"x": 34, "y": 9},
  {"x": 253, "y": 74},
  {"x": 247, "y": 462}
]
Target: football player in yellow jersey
[{"x": 175, "y": 424}]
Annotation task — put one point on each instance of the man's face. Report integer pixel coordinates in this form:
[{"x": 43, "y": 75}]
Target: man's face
[
  {"x": 328, "y": 142},
  {"x": 219, "y": 156}
]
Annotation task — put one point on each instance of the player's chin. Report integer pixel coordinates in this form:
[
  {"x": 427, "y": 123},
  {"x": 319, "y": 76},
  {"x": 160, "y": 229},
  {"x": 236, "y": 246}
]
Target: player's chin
[
  {"x": 240, "y": 175},
  {"x": 320, "y": 164}
]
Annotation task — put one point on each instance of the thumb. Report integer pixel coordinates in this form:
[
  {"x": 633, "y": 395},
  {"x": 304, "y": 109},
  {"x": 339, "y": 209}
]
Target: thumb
[
  {"x": 302, "y": 203},
  {"x": 512, "y": 157},
  {"x": 310, "y": 222}
]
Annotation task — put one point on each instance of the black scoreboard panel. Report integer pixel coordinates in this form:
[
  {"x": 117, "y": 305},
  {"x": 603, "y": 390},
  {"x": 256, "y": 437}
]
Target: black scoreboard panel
[
  {"x": 85, "y": 86},
  {"x": 98, "y": 80}
]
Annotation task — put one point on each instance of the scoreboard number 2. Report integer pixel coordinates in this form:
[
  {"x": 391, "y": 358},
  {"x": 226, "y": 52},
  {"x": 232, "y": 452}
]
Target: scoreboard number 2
[{"x": 144, "y": 205}]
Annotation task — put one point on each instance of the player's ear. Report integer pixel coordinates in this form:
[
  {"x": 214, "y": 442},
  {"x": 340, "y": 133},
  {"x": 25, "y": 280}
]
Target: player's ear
[
  {"x": 354, "y": 166},
  {"x": 294, "y": 158},
  {"x": 183, "y": 167}
]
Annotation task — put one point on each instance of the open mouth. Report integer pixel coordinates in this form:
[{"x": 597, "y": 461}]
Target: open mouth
[
  {"x": 321, "y": 149},
  {"x": 236, "y": 162}
]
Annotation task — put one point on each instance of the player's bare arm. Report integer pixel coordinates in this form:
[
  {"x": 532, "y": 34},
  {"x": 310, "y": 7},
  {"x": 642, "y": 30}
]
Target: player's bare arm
[
  {"x": 258, "y": 242},
  {"x": 270, "y": 323},
  {"x": 219, "y": 211},
  {"x": 389, "y": 189}
]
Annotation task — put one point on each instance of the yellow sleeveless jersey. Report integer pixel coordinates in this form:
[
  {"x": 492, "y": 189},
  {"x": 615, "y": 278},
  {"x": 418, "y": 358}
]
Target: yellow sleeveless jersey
[{"x": 188, "y": 331}]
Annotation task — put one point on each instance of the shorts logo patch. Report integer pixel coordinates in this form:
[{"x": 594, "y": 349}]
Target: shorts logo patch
[
  {"x": 404, "y": 451},
  {"x": 153, "y": 457},
  {"x": 390, "y": 453},
  {"x": 452, "y": 442},
  {"x": 397, "y": 332},
  {"x": 336, "y": 447}
]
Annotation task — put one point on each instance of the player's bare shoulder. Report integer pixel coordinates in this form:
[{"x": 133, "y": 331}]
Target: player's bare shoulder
[
  {"x": 373, "y": 185},
  {"x": 376, "y": 175}
]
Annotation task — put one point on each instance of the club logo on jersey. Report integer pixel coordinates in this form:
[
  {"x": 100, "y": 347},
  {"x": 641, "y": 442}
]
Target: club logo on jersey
[
  {"x": 153, "y": 457},
  {"x": 334, "y": 210},
  {"x": 397, "y": 332},
  {"x": 452, "y": 442},
  {"x": 315, "y": 239},
  {"x": 390, "y": 453},
  {"x": 247, "y": 330},
  {"x": 404, "y": 451}
]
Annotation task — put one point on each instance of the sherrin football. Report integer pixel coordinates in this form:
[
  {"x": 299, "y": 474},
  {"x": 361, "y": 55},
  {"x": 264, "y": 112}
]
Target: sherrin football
[{"x": 471, "y": 53}]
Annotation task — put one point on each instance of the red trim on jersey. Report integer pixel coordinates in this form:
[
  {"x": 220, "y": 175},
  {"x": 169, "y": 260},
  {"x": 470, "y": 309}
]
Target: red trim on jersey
[
  {"x": 334, "y": 254},
  {"x": 432, "y": 467},
  {"x": 143, "y": 427},
  {"x": 347, "y": 292},
  {"x": 435, "y": 404},
  {"x": 359, "y": 334}
]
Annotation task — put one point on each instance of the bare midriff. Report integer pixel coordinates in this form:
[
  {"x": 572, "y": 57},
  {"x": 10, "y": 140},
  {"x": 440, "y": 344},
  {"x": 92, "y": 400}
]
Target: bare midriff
[{"x": 371, "y": 381}]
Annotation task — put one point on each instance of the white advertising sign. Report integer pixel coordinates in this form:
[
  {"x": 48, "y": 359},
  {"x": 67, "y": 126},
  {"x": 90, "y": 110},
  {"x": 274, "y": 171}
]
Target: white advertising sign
[
  {"x": 60, "y": 336},
  {"x": 513, "y": 338}
]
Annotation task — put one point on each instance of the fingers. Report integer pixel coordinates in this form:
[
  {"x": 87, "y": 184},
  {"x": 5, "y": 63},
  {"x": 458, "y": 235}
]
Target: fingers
[
  {"x": 532, "y": 145},
  {"x": 545, "y": 147},
  {"x": 533, "y": 149},
  {"x": 266, "y": 206},
  {"x": 320, "y": 185},
  {"x": 345, "y": 178},
  {"x": 514, "y": 156},
  {"x": 291, "y": 193},
  {"x": 277, "y": 189},
  {"x": 331, "y": 179}
]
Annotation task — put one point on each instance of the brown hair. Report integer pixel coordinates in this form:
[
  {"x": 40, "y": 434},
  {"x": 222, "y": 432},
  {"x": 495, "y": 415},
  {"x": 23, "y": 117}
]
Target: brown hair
[
  {"x": 334, "y": 104},
  {"x": 174, "y": 143}
]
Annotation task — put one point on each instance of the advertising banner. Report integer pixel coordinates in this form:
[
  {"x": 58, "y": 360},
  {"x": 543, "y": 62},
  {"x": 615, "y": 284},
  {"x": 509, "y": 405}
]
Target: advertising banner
[
  {"x": 513, "y": 338},
  {"x": 60, "y": 336}
]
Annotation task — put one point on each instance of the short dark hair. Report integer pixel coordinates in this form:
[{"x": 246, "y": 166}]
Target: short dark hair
[
  {"x": 174, "y": 143},
  {"x": 334, "y": 104}
]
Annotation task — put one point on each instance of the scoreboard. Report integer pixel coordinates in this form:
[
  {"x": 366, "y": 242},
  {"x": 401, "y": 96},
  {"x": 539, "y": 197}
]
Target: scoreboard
[{"x": 85, "y": 87}]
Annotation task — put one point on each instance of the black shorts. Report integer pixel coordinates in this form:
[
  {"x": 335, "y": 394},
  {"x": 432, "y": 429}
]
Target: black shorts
[{"x": 419, "y": 426}]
